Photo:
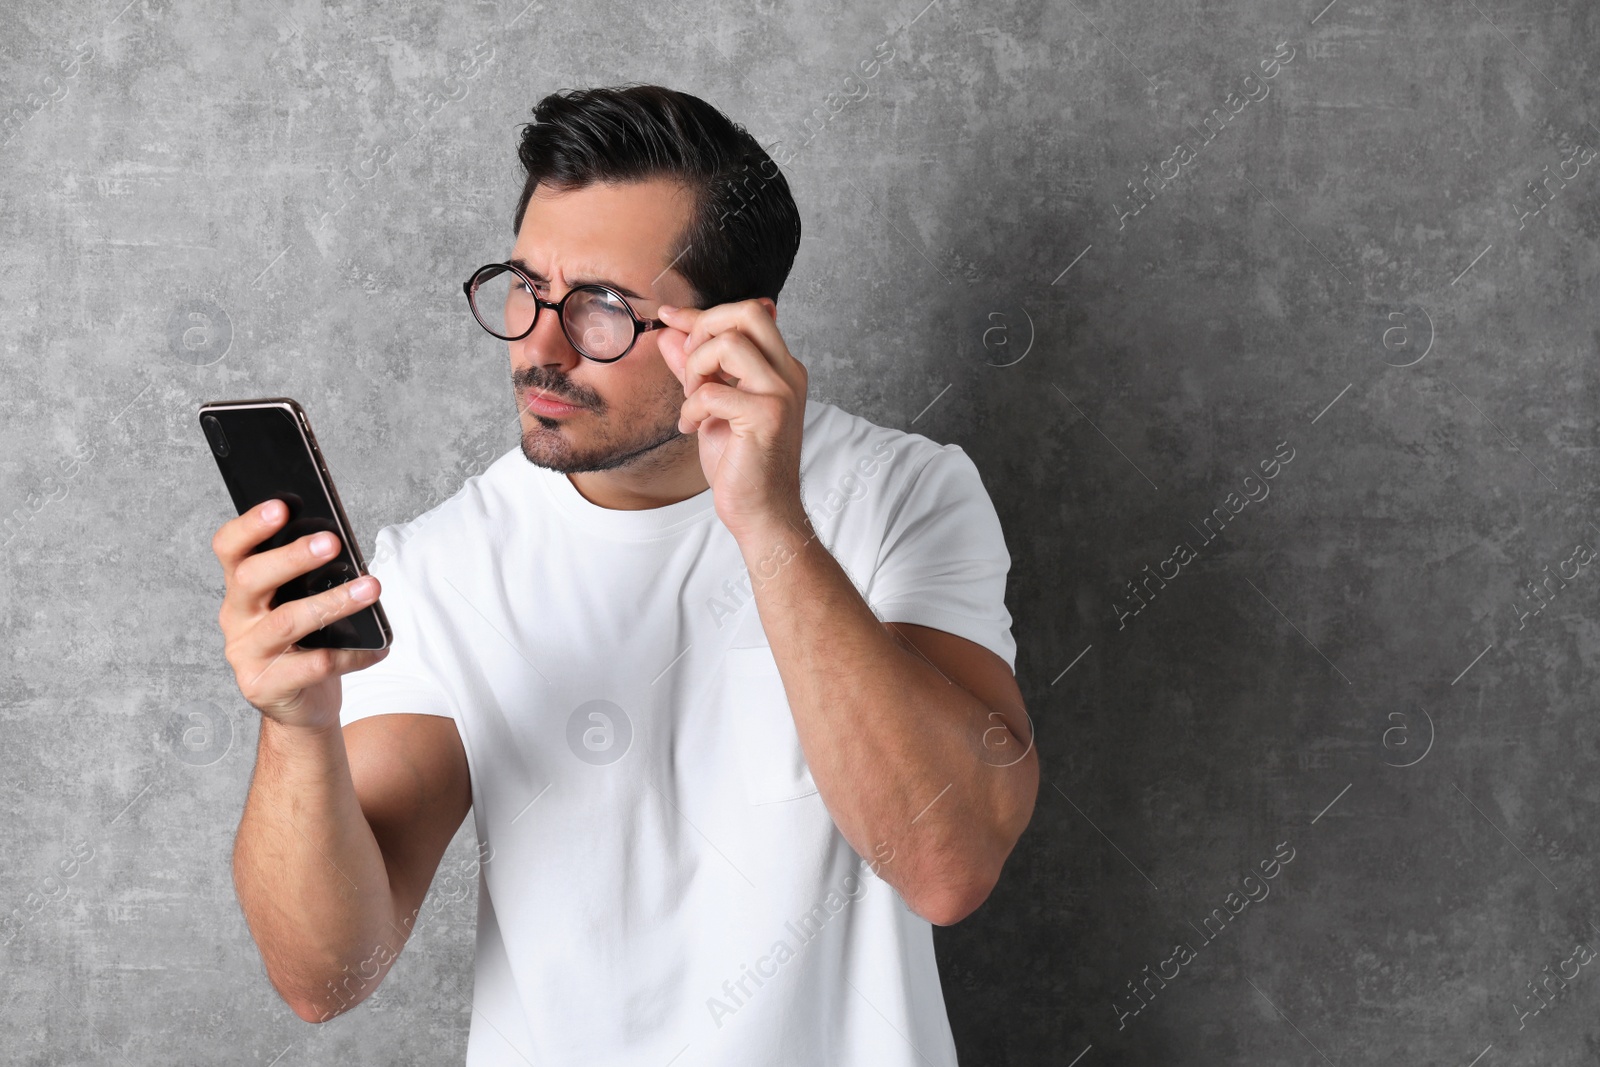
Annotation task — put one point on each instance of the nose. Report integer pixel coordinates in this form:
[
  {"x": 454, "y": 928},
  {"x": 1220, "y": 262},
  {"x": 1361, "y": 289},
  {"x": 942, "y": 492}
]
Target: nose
[{"x": 547, "y": 346}]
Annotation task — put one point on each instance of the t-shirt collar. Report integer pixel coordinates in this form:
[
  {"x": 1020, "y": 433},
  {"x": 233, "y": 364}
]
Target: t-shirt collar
[{"x": 644, "y": 524}]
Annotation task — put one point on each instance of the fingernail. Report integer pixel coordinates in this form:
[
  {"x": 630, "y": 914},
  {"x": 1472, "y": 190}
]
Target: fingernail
[
  {"x": 323, "y": 545},
  {"x": 666, "y": 309},
  {"x": 271, "y": 511},
  {"x": 362, "y": 588}
]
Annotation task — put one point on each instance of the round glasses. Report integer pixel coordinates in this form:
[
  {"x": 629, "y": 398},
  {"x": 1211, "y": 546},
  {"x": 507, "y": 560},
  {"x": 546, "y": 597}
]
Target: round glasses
[{"x": 595, "y": 318}]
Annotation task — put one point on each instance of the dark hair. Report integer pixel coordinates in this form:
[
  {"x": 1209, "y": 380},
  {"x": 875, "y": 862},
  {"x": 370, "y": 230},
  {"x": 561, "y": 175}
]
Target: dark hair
[{"x": 744, "y": 229}]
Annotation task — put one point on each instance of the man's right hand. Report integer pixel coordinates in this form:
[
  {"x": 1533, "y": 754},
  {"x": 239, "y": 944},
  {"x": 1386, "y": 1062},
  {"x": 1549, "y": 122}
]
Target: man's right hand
[{"x": 291, "y": 685}]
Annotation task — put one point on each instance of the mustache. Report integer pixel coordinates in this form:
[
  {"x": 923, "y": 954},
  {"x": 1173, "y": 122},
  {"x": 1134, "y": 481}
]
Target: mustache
[{"x": 560, "y": 388}]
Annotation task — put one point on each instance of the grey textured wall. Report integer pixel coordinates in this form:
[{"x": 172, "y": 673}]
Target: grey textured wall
[{"x": 1353, "y": 264}]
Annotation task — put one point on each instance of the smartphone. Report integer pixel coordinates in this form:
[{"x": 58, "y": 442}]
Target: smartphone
[{"x": 266, "y": 451}]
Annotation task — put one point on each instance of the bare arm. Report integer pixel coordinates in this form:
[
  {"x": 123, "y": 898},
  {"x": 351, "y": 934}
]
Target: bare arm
[
  {"x": 343, "y": 829},
  {"x": 918, "y": 739},
  {"x": 309, "y": 873},
  {"x": 339, "y": 841}
]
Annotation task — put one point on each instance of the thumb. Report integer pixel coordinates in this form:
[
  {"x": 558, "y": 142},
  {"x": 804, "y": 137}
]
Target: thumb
[{"x": 671, "y": 346}]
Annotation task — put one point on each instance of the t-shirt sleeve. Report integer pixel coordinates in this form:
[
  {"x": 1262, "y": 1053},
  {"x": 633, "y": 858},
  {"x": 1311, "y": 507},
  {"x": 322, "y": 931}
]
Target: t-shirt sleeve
[
  {"x": 403, "y": 681},
  {"x": 944, "y": 561}
]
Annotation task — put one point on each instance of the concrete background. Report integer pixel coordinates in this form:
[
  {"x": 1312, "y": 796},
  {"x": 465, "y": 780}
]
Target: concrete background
[{"x": 208, "y": 201}]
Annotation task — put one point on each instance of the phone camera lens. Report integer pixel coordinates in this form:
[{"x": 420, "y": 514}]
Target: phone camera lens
[{"x": 214, "y": 434}]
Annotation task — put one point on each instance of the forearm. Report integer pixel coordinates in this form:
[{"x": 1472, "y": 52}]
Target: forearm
[
  {"x": 310, "y": 876},
  {"x": 905, "y": 760}
]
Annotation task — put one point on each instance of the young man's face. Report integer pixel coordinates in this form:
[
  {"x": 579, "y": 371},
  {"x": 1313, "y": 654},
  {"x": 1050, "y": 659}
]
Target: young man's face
[{"x": 624, "y": 236}]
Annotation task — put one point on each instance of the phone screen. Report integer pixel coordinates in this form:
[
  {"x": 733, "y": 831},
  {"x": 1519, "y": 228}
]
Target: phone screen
[{"x": 265, "y": 451}]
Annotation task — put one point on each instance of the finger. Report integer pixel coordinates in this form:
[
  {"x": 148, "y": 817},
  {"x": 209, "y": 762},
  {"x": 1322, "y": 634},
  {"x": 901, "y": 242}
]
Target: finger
[
  {"x": 280, "y": 628},
  {"x": 672, "y": 353},
  {"x": 678, "y": 319},
  {"x": 743, "y": 411},
  {"x": 674, "y": 338},
  {"x": 297, "y": 669},
  {"x": 237, "y": 538},
  {"x": 733, "y": 355},
  {"x": 749, "y": 317},
  {"x": 258, "y": 577},
  {"x": 289, "y": 668}
]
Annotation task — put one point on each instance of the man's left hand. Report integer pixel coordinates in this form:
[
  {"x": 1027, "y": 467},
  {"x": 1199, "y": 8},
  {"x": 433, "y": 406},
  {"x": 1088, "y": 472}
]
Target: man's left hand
[{"x": 745, "y": 398}]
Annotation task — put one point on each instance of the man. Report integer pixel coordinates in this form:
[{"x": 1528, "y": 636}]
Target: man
[{"x": 724, "y": 674}]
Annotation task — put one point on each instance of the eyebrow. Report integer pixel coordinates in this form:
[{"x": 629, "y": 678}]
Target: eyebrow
[{"x": 522, "y": 265}]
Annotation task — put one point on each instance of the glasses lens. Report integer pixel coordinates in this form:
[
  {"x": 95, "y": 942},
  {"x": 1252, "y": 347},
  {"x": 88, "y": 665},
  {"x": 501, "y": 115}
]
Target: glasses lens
[
  {"x": 598, "y": 323},
  {"x": 502, "y": 302}
]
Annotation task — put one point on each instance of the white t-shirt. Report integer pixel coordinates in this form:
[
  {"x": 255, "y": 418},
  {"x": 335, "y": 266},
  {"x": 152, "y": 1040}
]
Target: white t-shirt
[{"x": 663, "y": 881}]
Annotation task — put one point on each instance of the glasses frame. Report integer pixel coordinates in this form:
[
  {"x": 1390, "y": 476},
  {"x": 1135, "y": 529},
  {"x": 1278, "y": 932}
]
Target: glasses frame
[{"x": 640, "y": 325}]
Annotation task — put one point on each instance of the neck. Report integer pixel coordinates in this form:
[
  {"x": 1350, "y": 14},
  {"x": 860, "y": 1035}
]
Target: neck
[{"x": 665, "y": 476}]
